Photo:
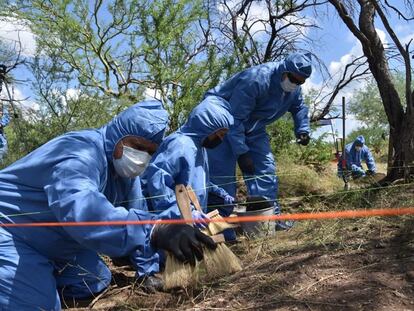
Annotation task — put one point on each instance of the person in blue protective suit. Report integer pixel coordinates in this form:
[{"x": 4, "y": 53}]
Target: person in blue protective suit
[
  {"x": 182, "y": 159},
  {"x": 4, "y": 121},
  {"x": 258, "y": 96},
  {"x": 80, "y": 177},
  {"x": 355, "y": 153}
]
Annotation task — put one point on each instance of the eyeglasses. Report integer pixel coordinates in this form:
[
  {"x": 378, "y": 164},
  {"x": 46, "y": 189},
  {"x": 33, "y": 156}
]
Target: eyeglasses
[{"x": 292, "y": 79}]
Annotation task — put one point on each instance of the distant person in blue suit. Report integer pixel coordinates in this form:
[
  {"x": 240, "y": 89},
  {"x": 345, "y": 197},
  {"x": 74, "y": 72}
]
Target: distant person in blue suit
[
  {"x": 4, "y": 121},
  {"x": 355, "y": 153}
]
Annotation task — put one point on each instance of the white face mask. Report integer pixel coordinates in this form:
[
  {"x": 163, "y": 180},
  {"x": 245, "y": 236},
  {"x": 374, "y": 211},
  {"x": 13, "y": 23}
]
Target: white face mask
[
  {"x": 288, "y": 86},
  {"x": 132, "y": 163},
  {"x": 358, "y": 148}
]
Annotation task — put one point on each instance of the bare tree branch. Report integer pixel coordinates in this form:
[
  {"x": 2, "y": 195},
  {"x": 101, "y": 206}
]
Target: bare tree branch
[
  {"x": 399, "y": 13},
  {"x": 349, "y": 75}
]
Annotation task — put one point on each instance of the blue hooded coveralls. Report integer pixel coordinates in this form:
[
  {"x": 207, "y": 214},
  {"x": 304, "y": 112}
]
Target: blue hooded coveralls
[
  {"x": 71, "y": 179},
  {"x": 181, "y": 159},
  {"x": 4, "y": 121},
  {"x": 256, "y": 99},
  {"x": 354, "y": 158}
]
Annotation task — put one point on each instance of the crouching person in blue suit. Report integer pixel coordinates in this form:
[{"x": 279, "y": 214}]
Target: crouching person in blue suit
[
  {"x": 82, "y": 176},
  {"x": 355, "y": 153},
  {"x": 182, "y": 159}
]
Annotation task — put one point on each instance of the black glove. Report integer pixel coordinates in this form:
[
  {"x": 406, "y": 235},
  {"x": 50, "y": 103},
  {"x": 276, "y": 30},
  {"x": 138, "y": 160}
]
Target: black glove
[
  {"x": 303, "y": 139},
  {"x": 246, "y": 164},
  {"x": 183, "y": 241}
]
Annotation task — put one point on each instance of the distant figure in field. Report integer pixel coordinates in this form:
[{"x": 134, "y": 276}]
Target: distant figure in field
[{"x": 355, "y": 153}]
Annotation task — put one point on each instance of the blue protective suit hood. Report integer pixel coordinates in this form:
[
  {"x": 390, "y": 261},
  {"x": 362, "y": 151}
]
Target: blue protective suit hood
[
  {"x": 299, "y": 63},
  {"x": 205, "y": 119},
  {"x": 360, "y": 140},
  {"x": 146, "y": 119}
]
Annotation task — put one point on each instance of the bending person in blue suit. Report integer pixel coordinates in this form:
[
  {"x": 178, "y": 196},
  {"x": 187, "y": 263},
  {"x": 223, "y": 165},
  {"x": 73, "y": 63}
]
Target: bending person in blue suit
[
  {"x": 4, "y": 121},
  {"x": 258, "y": 96},
  {"x": 83, "y": 176},
  {"x": 355, "y": 153},
  {"x": 182, "y": 159}
]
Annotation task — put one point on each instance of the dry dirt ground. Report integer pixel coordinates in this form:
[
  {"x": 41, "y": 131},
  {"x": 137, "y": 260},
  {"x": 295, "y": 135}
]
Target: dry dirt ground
[{"x": 364, "y": 264}]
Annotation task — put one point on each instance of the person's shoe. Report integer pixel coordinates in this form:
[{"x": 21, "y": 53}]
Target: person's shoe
[
  {"x": 284, "y": 225},
  {"x": 151, "y": 283}
]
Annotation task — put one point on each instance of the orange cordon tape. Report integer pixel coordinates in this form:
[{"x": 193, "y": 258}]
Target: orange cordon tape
[{"x": 298, "y": 216}]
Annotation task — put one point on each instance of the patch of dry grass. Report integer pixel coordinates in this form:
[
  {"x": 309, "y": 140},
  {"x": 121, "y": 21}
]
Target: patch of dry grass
[{"x": 300, "y": 180}]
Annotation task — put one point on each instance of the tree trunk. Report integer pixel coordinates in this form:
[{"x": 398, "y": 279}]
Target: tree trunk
[{"x": 401, "y": 122}]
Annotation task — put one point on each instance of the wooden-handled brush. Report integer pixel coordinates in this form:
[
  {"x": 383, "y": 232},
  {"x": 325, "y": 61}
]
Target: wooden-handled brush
[
  {"x": 221, "y": 261},
  {"x": 178, "y": 274}
]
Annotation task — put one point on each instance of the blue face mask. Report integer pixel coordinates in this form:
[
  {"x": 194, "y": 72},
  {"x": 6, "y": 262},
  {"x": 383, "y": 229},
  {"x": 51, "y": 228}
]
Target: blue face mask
[{"x": 132, "y": 163}]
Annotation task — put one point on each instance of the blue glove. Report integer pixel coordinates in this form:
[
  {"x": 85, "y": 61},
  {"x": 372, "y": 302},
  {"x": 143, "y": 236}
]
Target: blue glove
[
  {"x": 201, "y": 219},
  {"x": 229, "y": 200},
  {"x": 356, "y": 170}
]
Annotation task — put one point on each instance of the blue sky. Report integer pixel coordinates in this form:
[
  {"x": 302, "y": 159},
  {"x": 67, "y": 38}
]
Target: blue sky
[{"x": 334, "y": 44}]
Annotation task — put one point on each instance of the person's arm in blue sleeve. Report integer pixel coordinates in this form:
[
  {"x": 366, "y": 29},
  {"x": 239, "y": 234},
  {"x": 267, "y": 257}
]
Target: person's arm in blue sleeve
[
  {"x": 299, "y": 111},
  {"x": 350, "y": 163},
  {"x": 73, "y": 195},
  {"x": 220, "y": 192},
  {"x": 5, "y": 119},
  {"x": 160, "y": 185},
  {"x": 216, "y": 190},
  {"x": 135, "y": 197},
  {"x": 170, "y": 167},
  {"x": 369, "y": 160},
  {"x": 243, "y": 102}
]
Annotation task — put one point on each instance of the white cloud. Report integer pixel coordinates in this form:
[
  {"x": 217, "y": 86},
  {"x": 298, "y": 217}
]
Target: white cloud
[
  {"x": 336, "y": 67},
  {"x": 382, "y": 35},
  {"x": 11, "y": 31},
  {"x": 152, "y": 94},
  {"x": 73, "y": 93},
  {"x": 22, "y": 102}
]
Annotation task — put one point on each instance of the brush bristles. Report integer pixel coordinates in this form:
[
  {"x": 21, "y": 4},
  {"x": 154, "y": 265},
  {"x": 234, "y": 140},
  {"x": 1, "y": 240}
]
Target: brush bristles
[
  {"x": 221, "y": 261},
  {"x": 178, "y": 275}
]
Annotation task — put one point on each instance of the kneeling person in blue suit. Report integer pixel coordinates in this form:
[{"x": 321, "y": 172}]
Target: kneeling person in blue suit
[
  {"x": 182, "y": 159},
  {"x": 83, "y": 176},
  {"x": 355, "y": 153}
]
